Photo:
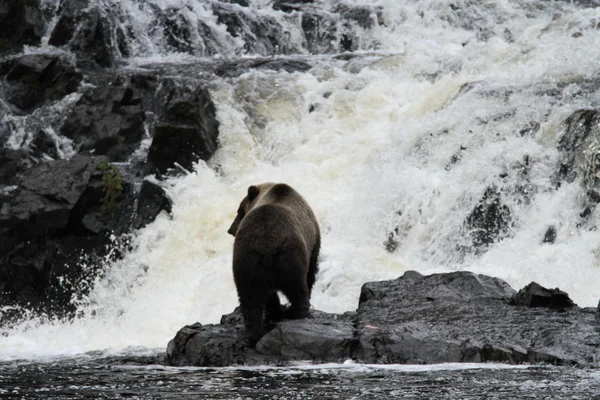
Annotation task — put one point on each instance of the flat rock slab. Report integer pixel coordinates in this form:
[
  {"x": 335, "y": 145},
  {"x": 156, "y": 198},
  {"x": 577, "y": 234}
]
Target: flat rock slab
[
  {"x": 416, "y": 319},
  {"x": 463, "y": 317},
  {"x": 324, "y": 338}
]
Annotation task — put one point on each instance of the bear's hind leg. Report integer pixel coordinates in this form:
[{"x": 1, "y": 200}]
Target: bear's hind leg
[
  {"x": 294, "y": 286},
  {"x": 274, "y": 311},
  {"x": 299, "y": 302},
  {"x": 313, "y": 265}
]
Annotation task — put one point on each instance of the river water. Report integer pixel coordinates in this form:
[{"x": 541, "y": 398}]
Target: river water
[
  {"x": 396, "y": 142},
  {"x": 93, "y": 376}
]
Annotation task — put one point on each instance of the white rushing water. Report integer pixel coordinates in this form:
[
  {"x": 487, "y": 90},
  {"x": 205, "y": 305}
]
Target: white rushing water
[{"x": 368, "y": 142}]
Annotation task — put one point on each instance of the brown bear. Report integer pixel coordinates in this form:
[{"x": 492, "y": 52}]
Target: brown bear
[{"x": 277, "y": 242}]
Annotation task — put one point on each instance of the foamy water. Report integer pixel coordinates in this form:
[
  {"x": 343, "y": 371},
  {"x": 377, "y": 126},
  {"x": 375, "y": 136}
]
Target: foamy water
[{"x": 368, "y": 142}]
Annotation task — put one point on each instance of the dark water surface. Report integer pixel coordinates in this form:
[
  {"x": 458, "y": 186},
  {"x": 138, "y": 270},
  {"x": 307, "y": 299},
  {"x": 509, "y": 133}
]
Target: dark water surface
[{"x": 134, "y": 378}]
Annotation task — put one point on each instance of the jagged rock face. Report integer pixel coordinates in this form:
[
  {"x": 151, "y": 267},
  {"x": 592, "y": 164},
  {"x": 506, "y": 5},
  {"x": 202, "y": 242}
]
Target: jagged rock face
[
  {"x": 55, "y": 229},
  {"x": 107, "y": 119},
  {"x": 21, "y": 23},
  {"x": 86, "y": 30},
  {"x": 190, "y": 123},
  {"x": 34, "y": 79},
  {"x": 34, "y": 219},
  {"x": 101, "y": 35},
  {"x": 534, "y": 295},
  {"x": 12, "y": 164},
  {"x": 152, "y": 199},
  {"x": 580, "y": 155},
  {"x": 45, "y": 234},
  {"x": 489, "y": 221},
  {"x": 465, "y": 317},
  {"x": 416, "y": 319},
  {"x": 325, "y": 337}
]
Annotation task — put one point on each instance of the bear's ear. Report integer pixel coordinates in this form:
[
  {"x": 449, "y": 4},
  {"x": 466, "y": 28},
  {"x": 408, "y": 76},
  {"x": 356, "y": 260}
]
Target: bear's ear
[{"x": 252, "y": 192}]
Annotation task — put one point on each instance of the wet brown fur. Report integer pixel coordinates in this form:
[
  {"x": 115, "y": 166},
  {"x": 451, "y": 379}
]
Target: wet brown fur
[{"x": 276, "y": 247}]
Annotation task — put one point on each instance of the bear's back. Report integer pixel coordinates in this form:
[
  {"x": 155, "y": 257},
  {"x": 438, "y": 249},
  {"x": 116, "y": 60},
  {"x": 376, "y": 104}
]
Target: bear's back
[{"x": 280, "y": 216}]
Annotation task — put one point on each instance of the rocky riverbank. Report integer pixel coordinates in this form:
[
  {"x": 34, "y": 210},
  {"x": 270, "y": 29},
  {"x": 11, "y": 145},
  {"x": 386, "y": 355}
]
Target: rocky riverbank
[{"x": 415, "y": 319}]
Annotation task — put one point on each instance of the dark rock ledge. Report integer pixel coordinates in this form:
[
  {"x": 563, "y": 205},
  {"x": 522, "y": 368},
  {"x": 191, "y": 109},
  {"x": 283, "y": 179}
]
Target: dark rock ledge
[{"x": 416, "y": 319}]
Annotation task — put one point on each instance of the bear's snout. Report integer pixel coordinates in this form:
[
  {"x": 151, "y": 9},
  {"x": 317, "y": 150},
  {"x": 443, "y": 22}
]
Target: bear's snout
[{"x": 232, "y": 229}]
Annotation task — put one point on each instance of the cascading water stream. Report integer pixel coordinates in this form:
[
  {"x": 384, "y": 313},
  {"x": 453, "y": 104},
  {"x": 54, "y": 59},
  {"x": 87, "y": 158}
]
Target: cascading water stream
[{"x": 393, "y": 146}]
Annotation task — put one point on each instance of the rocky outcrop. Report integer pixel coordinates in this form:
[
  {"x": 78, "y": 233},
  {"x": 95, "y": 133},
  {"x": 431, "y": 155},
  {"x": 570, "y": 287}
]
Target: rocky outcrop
[
  {"x": 463, "y": 317},
  {"x": 152, "y": 199},
  {"x": 580, "y": 155},
  {"x": 12, "y": 164},
  {"x": 260, "y": 35},
  {"x": 22, "y": 22},
  {"x": 189, "y": 123},
  {"x": 107, "y": 119},
  {"x": 34, "y": 79},
  {"x": 451, "y": 317},
  {"x": 63, "y": 215},
  {"x": 325, "y": 337},
  {"x": 34, "y": 215},
  {"x": 489, "y": 221},
  {"x": 88, "y": 30},
  {"x": 57, "y": 222}
]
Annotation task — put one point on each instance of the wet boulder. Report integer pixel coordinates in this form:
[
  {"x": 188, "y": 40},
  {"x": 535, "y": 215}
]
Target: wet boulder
[
  {"x": 243, "y": 3},
  {"x": 489, "y": 221},
  {"x": 34, "y": 79},
  {"x": 32, "y": 215},
  {"x": 21, "y": 23},
  {"x": 579, "y": 147},
  {"x": 12, "y": 164},
  {"x": 179, "y": 33},
  {"x": 152, "y": 199},
  {"x": 207, "y": 345},
  {"x": 323, "y": 338},
  {"x": 364, "y": 16},
  {"x": 535, "y": 295},
  {"x": 188, "y": 132},
  {"x": 107, "y": 119},
  {"x": 321, "y": 32},
  {"x": 43, "y": 146},
  {"x": 262, "y": 34},
  {"x": 42, "y": 202},
  {"x": 56, "y": 228},
  {"x": 464, "y": 317},
  {"x": 236, "y": 68},
  {"x": 107, "y": 204},
  {"x": 550, "y": 235},
  {"x": 90, "y": 30},
  {"x": 290, "y": 5}
]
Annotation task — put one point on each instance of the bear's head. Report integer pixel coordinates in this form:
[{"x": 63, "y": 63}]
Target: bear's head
[{"x": 255, "y": 192}]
